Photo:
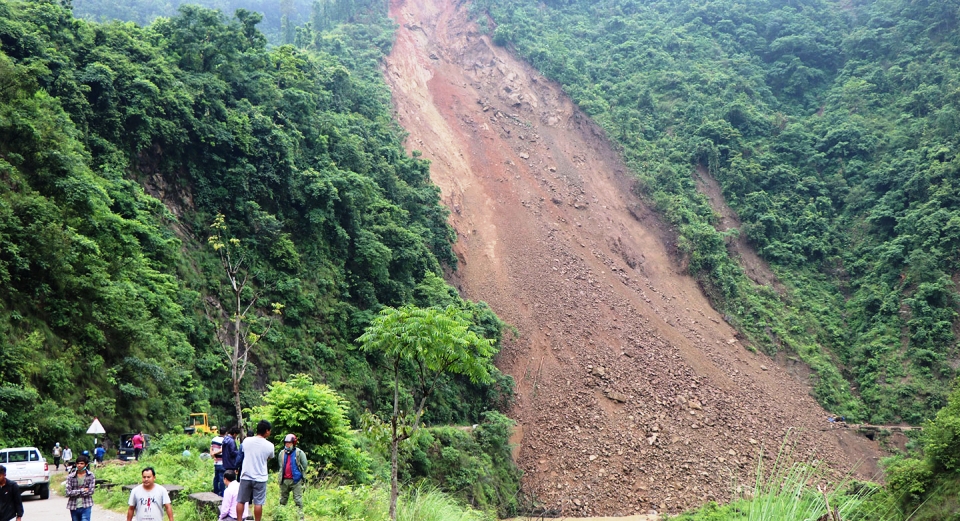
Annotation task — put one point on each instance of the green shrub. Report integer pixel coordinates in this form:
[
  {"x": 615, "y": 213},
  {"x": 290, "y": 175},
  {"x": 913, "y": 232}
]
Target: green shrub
[
  {"x": 318, "y": 417},
  {"x": 942, "y": 435}
]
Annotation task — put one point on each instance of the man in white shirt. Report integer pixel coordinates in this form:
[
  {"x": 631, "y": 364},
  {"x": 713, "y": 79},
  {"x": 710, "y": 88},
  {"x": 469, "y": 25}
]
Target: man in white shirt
[
  {"x": 253, "y": 473},
  {"x": 228, "y": 507},
  {"x": 149, "y": 500}
]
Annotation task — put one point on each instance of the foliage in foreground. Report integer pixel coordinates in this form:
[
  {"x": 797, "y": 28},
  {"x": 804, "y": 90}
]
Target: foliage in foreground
[
  {"x": 791, "y": 493},
  {"x": 920, "y": 488},
  {"x": 323, "y": 499},
  {"x": 317, "y": 415},
  {"x": 472, "y": 464}
]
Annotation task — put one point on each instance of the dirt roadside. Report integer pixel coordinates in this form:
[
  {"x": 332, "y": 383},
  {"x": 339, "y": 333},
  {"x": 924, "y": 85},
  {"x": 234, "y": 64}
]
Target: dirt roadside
[{"x": 633, "y": 393}]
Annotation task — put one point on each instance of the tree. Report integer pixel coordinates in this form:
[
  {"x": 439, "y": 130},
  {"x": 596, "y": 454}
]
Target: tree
[
  {"x": 436, "y": 342},
  {"x": 942, "y": 435},
  {"x": 245, "y": 326},
  {"x": 318, "y": 416}
]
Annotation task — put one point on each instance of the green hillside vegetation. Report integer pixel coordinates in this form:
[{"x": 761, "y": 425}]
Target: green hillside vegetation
[
  {"x": 281, "y": 18},
  {"x": 832, "y": 128},
  {"x": 328, "y": 499},
  {"x": 119, "y": 146}
]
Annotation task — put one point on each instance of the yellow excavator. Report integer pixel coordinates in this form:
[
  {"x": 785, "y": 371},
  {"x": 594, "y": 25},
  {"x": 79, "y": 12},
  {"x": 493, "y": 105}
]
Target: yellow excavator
[{"x": 199, "y": 425}]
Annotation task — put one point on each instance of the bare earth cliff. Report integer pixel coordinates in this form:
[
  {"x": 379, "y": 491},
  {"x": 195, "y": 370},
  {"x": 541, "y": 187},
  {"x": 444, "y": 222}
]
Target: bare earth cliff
[{"x": 633, "y": 393}]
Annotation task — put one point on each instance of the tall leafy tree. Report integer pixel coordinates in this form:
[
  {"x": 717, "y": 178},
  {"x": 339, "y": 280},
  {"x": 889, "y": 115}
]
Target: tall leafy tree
[{"x": 435, "y": 342}]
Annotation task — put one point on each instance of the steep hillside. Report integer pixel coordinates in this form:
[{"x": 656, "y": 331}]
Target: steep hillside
[
  {"x": 830, "y": 128},
  {"x": 633, "y": 392},
  {"x": 120, "y": 144}
]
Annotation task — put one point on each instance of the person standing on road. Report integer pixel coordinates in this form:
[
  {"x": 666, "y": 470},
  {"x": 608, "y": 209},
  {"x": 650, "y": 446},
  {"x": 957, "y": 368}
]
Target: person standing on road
[
  {"x": 149, "y": 500},
  {"x": 80, "y": 484},
  {"x": 228, "y": 507},
  {"x": 216, "y": 452},
  {"x": 137, "y": 442},
  {"x": 57, "y": 452},
  {"x": 293, "y": 463},
  {"x": 11, "y": 506},
  {"x": 253, "y": 473},
  {"x": 67, "y": 457}
]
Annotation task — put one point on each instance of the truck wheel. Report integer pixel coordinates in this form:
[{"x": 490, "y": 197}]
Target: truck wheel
[{"x": 44, "y": 491}]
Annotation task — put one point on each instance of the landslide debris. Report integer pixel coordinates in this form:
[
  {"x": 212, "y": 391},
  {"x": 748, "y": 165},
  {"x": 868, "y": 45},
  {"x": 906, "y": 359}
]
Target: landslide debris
[{"x": 634, "y": 394}]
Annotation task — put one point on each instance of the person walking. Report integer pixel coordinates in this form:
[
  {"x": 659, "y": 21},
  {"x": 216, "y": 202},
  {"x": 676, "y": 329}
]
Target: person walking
[
  {"x": 228, "y": 507},
  {"x": 57, "y": 452},
  {"x": 99, "y": 453},
  {"x": 138, "y": 442},
  {"x": 80, "y": 485},
  {"x": 216, "y": 452},
  {"x": 149, "y": 500},
  {"x": 11, "y": 506},
  {"x": 253, "y": 472},
  {"x": 293, "y": 463},
  {"x": 231, "y": 453},
  {"x": 67, "y": 457}
]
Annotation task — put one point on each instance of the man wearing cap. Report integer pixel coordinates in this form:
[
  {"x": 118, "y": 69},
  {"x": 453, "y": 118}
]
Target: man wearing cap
[
  {"x": 293, "y": 463},
  {"x": 216, "y": 452}
]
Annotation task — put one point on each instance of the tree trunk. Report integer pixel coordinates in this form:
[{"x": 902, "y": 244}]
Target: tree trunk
[
  {"x": 394, "y": 486},
  {"x": 394, "y": 449},
  {"x": 236, "y": 402}
]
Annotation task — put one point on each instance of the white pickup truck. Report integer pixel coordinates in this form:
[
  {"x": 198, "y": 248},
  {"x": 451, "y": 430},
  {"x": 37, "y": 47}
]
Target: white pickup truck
[{"x": 27, "y": 467}]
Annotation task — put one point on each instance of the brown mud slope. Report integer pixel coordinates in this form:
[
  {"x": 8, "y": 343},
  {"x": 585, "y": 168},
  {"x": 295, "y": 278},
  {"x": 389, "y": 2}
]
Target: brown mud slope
[{"x": 633, "y": 393}]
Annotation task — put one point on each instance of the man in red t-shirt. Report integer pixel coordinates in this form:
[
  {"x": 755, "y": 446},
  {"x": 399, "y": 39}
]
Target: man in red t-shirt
[{"x": 293, "y": 465}]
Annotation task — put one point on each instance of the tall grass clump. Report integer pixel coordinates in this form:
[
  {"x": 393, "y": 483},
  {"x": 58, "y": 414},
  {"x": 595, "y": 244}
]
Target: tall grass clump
[
  {"x": 429, "y": 504},
  {"x": 799, "y": 491}
]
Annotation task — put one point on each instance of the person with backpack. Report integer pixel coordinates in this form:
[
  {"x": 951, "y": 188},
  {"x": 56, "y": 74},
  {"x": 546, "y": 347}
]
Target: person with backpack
[{"x": 293, "y": 464}]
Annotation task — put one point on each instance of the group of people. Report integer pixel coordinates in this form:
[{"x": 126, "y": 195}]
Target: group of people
[
  {"x": 240, "y": 477},
  {"x": 66, "y": 456},
  {"x": 240, "y": 472}
]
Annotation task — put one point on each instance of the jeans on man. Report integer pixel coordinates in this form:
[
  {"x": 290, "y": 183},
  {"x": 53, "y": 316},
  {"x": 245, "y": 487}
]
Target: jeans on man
[
  {"x": 218, "y": 486},
  {"x": 80, "y": 514}
]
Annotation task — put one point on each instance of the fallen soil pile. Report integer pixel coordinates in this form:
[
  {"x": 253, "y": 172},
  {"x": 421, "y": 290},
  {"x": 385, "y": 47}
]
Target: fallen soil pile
[{"x": 633, "y": 393}]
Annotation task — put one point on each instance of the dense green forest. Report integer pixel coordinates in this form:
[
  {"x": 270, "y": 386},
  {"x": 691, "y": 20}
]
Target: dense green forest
[
  {"x": 119, "y": 146},
  {"x": 833, "y": 130},
  {"x": 281, "y": 18}
]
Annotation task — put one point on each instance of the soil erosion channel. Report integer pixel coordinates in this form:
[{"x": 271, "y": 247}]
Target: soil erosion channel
[{"x": 633, "y": 393}]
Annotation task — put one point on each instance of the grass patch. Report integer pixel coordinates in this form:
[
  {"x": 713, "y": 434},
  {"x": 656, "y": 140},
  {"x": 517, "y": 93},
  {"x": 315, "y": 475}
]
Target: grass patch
[{"x": 799, "y": 491}]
